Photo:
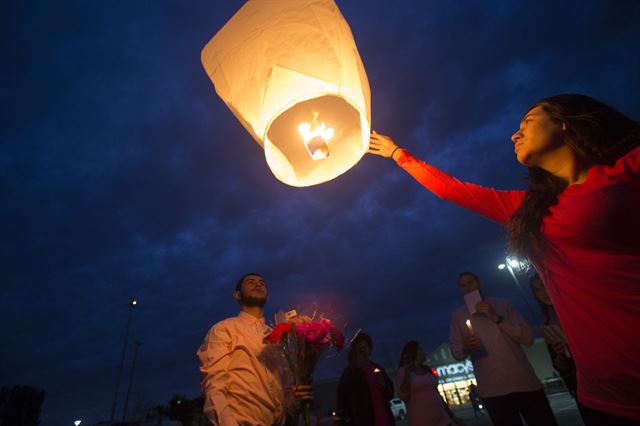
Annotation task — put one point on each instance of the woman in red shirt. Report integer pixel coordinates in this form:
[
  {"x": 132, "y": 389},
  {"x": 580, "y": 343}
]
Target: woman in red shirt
[{"x": 579, "y": 224}]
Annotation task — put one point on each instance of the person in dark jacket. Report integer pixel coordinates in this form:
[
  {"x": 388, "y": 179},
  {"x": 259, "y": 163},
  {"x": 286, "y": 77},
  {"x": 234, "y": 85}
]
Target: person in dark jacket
[{"x": 365, "y": 388}]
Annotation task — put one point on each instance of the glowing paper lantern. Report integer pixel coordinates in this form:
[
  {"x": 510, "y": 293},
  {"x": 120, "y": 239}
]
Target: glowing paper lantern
[{"x": 290, "y": 71}]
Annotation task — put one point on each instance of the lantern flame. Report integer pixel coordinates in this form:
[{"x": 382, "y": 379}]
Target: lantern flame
[{"x": 315, "y": 140}]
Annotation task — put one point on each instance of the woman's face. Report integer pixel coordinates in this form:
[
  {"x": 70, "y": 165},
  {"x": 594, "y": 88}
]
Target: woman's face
[
  {"x": 540, "y": 291},
  {"x": 538, "y": 139},
  {"x": 420, "y": 357},
  {"x": 362, "y": 349}
]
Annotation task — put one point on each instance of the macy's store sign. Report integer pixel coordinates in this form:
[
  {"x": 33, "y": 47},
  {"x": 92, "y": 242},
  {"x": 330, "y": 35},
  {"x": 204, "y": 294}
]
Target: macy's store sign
[{"x": 455, "y": 371}]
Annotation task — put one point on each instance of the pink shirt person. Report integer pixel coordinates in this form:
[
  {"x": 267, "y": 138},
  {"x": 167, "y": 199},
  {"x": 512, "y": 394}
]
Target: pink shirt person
[{"x": 424, "y": 403}]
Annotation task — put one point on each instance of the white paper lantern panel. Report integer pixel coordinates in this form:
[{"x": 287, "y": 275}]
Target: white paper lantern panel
[{"x": 290, "y": 71}]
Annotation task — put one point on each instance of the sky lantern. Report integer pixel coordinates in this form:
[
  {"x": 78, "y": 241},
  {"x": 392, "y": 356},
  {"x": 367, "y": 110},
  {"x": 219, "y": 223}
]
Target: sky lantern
[{"x": 291, "y": 73}]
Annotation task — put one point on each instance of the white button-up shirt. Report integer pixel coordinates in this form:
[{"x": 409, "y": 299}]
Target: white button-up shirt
[
  {"x": 505, "y": 368},
  {"x": 243, "y": 379}
]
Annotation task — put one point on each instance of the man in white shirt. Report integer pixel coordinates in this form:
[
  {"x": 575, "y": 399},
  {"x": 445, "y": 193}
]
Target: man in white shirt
[
  {"x": 492, "y": 335},
  {"x": 244, "y": 380}
]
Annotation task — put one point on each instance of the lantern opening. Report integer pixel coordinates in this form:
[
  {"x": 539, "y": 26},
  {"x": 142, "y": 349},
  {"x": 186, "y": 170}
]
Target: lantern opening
[{"x": 315, "y": 140}]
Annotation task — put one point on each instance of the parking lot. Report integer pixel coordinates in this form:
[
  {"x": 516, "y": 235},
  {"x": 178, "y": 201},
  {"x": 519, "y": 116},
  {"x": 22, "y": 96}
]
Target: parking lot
[{"x": 563, "y": 406}]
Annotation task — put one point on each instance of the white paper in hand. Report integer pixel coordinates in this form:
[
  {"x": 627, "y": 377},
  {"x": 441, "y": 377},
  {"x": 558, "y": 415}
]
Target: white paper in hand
[{"x": 471, "y": 299}]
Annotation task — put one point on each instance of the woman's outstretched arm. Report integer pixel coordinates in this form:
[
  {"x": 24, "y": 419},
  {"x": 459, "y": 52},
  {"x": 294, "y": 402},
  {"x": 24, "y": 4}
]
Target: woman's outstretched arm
[{"x": 491, "y": 203}]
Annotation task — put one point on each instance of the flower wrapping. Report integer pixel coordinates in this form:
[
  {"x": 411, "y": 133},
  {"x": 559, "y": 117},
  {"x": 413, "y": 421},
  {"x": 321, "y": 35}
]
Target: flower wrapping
[{"x": 303, "y": 341}]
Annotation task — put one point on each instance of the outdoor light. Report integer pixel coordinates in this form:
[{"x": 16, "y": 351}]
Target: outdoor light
[
  {"x": 77, "y": 422},
  {"x": 291, "y": 74},
  {"x": 513, "y": 265},
  {"x": 513, "y": 262}
]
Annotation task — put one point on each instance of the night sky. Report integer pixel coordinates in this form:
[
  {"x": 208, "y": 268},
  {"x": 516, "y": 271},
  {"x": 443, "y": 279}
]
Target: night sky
[{"x": 122, "y": 173}]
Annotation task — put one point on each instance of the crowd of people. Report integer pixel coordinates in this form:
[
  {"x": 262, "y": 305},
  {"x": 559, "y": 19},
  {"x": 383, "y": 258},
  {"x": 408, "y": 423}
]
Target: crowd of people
[
  {"x": 247, "y": 382},
  {"x": 577, "y": 224}
]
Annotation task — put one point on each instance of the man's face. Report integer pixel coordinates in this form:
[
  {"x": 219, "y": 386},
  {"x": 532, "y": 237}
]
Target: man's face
[
  {"x": 468, "y": 283},
  {"x": 253, "y": 292}
]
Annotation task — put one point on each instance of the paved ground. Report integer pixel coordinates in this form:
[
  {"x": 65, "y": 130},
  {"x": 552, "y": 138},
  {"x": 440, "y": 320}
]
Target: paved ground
[{"x": 563, "y": 406}]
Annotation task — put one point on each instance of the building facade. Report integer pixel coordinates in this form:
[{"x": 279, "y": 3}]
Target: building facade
[{"x": 456, "y": 376}]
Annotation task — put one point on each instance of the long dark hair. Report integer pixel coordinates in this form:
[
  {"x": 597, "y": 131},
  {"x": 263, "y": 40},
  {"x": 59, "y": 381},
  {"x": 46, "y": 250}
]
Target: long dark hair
[
  {"x": 597, "y": 133},
  {"x": 409, "y": 352}
]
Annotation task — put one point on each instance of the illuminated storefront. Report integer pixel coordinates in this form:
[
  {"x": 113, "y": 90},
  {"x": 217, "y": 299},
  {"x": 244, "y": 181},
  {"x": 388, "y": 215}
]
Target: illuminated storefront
[
  {"x": 454, "y": 376},
  {"x": 455, "y": 380}
]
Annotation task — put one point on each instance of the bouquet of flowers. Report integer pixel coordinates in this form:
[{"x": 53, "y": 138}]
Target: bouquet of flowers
[{"x": 303, "y": 340}]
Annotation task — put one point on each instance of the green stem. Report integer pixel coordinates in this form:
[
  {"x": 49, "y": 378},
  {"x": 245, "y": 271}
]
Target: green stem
[{"x": 306, "y": 413}]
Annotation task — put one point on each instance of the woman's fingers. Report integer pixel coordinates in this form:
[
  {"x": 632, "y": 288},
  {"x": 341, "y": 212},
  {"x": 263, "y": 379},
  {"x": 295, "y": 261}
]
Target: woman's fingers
[
  {"x": 380, "y": 144},
  {"x": 376, "y": 135}
]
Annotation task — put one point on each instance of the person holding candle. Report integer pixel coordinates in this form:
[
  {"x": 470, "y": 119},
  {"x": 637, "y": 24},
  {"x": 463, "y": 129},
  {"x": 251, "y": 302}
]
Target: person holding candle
[
  {"x": 364, "y": 389},
  {"x": 493, "y": 332},
  {"x": 417, "y": 386},
  {"x": 578, "y": 224}
]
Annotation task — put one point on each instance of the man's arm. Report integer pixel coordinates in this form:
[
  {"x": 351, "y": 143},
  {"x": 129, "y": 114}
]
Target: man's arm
[
  {"x": 514, "y": 326},
  {"x": 510, "y": 323},
  {"x": 214, "y": 354}
]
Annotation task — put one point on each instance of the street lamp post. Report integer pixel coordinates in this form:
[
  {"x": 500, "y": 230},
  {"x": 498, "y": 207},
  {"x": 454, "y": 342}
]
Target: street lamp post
[
  {"x": 132, "y": 304},
  {"x": 138, "y": 343}
]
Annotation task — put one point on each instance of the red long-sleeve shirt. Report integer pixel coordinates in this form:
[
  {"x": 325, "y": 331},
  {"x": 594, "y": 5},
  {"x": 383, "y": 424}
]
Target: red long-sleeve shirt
[{"x": 592, "y": 269}]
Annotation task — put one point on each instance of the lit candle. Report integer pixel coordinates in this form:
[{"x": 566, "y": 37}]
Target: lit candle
[
  {"x": 315, "y": 137},
  {"x": 469, "y": 326}
]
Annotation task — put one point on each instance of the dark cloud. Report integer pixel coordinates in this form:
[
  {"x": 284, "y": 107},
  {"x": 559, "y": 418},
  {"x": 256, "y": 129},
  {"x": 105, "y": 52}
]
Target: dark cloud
[{"x": 122, "y": 173}]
